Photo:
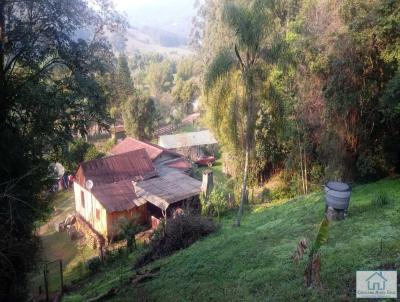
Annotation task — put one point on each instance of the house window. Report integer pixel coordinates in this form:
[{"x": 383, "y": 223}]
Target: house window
[
  {"x": 83, "y": 199},
  {"x": 98, "y": 214}
]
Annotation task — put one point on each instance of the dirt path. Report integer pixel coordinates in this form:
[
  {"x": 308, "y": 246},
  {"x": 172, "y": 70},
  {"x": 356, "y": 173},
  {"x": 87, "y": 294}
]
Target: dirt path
[{"x": 64, "y": 205}]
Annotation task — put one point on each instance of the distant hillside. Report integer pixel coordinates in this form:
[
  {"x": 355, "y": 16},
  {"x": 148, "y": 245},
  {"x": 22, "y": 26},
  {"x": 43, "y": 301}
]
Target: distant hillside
[
  {"x": 172, "y": 16},
  {"x": 150, "y": 40},
  {"x": 165, "y": 38}
]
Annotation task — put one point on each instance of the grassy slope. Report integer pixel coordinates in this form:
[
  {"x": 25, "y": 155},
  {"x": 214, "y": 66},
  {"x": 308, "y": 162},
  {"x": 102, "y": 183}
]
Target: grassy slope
[{"x": 253, "y": 262}]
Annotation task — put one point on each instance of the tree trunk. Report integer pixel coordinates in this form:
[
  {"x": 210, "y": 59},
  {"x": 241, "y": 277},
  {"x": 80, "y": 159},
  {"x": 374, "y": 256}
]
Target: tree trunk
[
  {"x": 248, "y": 137},
  {"x": 244, "y": 184},
  {"x": 301, "y": 168},
  {"x": 2, "y": 68},
  {"x": 301, "y": 159},
  {"x": 129, "y": 244},
  {"x": 305, "y": 171}
]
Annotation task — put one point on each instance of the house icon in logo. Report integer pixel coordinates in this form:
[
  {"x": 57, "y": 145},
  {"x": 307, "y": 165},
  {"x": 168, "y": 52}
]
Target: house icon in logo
[{"x": 376, "y": 281}]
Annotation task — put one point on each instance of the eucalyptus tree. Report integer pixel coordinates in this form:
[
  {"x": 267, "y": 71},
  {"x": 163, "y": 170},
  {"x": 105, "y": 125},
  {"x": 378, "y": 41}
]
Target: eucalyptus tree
[{"x": 248, "y": 25}]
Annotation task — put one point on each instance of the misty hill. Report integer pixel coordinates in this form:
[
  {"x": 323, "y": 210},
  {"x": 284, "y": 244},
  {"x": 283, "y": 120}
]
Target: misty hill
[
  {"x": 173, "y": 16},
  {"x": 165, "y": 38},
  {"x": 150, "y": 40}
]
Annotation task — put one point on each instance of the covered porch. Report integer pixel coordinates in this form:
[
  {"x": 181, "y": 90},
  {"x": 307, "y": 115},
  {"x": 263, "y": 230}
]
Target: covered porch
[{"x": 168, "y": 195}]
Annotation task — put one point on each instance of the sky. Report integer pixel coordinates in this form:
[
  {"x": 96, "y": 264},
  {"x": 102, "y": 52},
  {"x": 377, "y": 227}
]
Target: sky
[{"x": 171, "y": 15}]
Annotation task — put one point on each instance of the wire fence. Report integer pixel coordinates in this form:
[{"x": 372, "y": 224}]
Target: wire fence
[{"x": 49, "y": 280}]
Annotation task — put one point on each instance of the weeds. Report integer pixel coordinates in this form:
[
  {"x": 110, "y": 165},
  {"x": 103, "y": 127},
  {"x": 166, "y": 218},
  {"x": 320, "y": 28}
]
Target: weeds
[
  {"x": 380, "y": 200},
  {"x": 178, "y": 233}
]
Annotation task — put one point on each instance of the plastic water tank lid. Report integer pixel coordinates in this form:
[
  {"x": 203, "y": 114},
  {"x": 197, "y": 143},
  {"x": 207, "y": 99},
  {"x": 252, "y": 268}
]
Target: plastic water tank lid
[{"x": 338, "y": 186}]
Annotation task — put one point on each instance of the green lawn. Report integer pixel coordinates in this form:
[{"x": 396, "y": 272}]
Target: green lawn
[
  {"x": 253, "y": 262},
  {"x": 58, "y": 246}
]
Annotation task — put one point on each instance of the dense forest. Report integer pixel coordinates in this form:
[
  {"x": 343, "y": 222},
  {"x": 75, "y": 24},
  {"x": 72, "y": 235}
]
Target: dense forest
[
  {"x": 310, "y": 88},
  {"x": 305, "y": 89}
]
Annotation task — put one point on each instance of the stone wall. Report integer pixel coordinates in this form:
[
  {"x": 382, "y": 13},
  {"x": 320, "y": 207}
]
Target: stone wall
[{"x": 93, "y": 238}]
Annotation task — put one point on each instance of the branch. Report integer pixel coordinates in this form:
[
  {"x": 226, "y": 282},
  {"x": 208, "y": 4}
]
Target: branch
[
  {"x": 46, "y": 66},
  {"x": 239, "y": 57}
]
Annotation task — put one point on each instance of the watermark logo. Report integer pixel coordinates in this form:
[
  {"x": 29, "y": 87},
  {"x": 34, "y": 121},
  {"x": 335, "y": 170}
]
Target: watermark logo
[{"x": 376, "y": 284}]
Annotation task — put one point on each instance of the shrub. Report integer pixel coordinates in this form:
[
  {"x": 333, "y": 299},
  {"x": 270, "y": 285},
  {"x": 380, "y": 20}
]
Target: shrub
[
  {"x": 75, "y": 154},
  {"x": 93, "y": 264},
  {"x": 129, "y": 227},
  {"x": 79, "y": 151},
  {"x": 92, "y": 153},
  {"x": 216, "y": 204},
  {"x": 372, "y": 164},
  {"x": 260, "y": 195},
  {"x": 176, "y": 234},
  {"x": 288, "y": 186},
  {"x": 381, "y": 200},
  {"x": 109, "y": 144}
]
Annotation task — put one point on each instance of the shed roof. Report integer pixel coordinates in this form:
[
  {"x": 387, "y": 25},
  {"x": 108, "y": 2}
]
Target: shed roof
[
  {"x": 131, "y": 144},
  {"x": 187, "y": 139},
  {"x": 117, "y": 197},
  {"x": 179, "y": 163},
  {"x": 165, "y": 190},
  {"x": 135, "y": 165}
]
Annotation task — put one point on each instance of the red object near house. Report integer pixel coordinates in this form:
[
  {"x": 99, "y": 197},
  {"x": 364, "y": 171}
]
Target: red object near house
[
  {"x": 71, "y": 179},
  {"x": 205, "y": 161}
]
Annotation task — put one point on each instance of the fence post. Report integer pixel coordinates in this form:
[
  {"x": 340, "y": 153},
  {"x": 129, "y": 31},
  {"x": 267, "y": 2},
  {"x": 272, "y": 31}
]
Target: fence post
[
  {"x": 61, "y": 276},
  {"x": 46, "y": 286}
]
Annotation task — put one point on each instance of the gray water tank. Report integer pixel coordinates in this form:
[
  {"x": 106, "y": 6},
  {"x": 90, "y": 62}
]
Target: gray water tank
[{"x": 337, "y": 195}]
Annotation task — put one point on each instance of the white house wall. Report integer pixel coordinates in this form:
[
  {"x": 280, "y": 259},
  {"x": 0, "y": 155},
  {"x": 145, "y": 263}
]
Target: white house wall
[{"x": 89, "y": 211}]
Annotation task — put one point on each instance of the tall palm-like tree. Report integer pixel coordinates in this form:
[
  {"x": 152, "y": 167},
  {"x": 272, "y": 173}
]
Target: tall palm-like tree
[{"x": 248, "y": 23}]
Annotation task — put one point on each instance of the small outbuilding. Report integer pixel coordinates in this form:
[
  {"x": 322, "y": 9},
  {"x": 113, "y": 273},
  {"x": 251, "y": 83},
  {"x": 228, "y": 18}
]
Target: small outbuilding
[{"x": 192, "y": 144}]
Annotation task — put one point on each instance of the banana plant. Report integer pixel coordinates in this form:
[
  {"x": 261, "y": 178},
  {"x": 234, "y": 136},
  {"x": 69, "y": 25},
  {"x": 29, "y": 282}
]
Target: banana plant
[{"x": 312, "y": 272}]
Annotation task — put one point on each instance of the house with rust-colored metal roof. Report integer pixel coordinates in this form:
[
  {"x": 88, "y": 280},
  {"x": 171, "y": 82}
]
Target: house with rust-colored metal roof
[
  {"x": 104, "y": 191},
  {"x": 164, "y": 160},
  {"x": 131, "y": 144},
  {"x": 133, "y": 165},
  {"x": 130, "y": 184}
]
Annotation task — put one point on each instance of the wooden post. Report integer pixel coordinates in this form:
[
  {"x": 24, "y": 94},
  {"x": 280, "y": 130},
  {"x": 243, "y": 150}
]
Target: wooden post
[
  {"x": 61, "y": 276},
  {"x": 164, "y": 213},
  {"x": 46, "y": 285}
]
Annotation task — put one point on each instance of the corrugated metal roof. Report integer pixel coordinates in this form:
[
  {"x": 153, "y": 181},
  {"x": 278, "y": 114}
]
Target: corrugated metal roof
[
  {"x": 167, "y": 189},
  {"x": 117, "y": 178},
  {"x": 187, "y": 139},
  {"x": 135, "y": 165},
  {"x": 117, "y": 197},
  {"x": 179, "y": 163},
  {"x": 131, "y": 144}
]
